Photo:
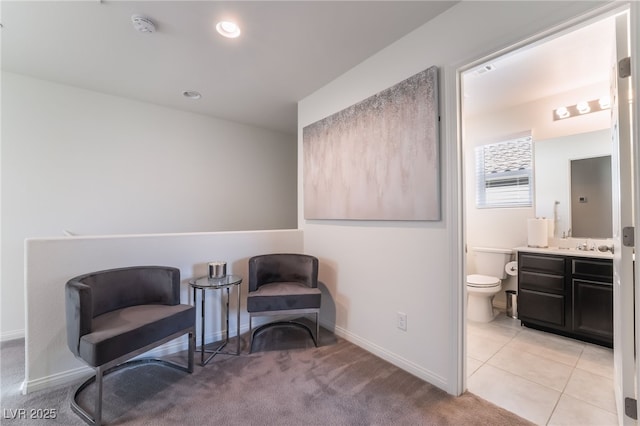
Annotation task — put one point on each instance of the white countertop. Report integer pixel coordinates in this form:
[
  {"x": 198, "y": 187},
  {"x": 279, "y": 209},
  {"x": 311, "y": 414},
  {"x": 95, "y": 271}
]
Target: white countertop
[{"x": 567, "y": 252}]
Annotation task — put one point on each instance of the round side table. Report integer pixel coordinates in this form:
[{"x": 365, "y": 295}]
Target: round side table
[{"x": 203, "y": 284}]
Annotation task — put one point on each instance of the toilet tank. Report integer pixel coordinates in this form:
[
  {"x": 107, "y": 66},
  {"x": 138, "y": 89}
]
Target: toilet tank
[{"x": 491, "y": 261}]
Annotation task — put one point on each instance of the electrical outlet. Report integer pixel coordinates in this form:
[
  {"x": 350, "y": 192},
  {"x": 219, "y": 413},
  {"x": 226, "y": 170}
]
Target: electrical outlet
[{"x": 402, "y": 321}]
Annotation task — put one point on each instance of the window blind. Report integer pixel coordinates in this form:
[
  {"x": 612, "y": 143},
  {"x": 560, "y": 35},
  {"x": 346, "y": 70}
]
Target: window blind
[{"x": 504, "y": 174}]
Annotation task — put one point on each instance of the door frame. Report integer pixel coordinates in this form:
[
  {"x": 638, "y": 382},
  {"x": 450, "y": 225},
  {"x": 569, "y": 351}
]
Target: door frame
[
  {"x": 455, "y": 132},
  {"x": 634, "y": 31}
]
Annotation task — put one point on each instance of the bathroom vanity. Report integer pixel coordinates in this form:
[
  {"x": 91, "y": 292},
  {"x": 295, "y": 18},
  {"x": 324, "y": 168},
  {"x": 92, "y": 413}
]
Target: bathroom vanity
[{"x": 567, "y": 292}]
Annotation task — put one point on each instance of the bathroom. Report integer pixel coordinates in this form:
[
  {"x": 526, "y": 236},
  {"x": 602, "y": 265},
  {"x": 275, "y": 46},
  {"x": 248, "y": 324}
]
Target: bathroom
[{"x": 513, "y": 98}]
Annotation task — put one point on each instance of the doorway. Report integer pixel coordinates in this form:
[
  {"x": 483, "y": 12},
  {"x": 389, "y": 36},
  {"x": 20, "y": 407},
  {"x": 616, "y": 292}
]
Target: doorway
[{"x": 504, "y": 98}]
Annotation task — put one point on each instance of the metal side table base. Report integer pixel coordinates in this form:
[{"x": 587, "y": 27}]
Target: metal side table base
[{"x": 206, "y": 283}]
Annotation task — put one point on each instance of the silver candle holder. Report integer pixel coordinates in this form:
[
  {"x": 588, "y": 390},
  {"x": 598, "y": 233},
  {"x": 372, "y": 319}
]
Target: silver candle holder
[{"x": 217, "y": 269}]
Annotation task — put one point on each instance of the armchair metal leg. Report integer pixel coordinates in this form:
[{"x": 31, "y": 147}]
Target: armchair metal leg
[
  {"x": 316, "y": 340},
  {"x": 190, "y": 354},
  {"x": 98, "y": 402},
  {"x": 104, "y": 370},
  {"x": 96, "y": 418},
  {"x": 250, "y": 334},
  {"x": 279, "y": 323}
]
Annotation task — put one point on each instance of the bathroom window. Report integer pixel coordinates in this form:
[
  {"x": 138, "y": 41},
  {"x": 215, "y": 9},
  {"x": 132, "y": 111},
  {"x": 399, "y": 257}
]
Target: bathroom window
[{"x": 504, "y": 174}]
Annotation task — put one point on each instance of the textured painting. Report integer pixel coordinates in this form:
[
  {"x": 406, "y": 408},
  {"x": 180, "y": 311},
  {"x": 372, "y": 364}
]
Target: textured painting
[{"x": 377, "y": 159}]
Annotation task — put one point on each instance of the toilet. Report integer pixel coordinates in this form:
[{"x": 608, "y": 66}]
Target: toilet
[{"x": 486, "y": 282}]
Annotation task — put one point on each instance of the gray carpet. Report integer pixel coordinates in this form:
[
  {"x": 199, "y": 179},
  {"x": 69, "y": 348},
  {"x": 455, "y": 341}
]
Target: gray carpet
[{"x": 286, "y": 381}]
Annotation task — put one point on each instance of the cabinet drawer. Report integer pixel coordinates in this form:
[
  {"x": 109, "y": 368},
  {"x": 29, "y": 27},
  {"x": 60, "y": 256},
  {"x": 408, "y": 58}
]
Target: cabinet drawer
[
  {"x": 601, "y": 270},
  {"x": 534, "y": 262},
  {"x": 545, "y": 307},
  {"x": 541, "y": 282}
]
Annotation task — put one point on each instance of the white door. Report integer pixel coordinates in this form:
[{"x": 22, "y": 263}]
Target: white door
[{"x": 623, "y": 222}]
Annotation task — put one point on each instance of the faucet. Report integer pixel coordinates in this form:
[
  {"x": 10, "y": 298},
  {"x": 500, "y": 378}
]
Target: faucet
[
  {"x": 566, "y": 234},
  {"x": 586, "y": 246}
]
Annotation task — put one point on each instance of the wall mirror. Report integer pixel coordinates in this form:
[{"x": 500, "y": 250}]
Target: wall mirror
[{"x": 553, "y": 184}]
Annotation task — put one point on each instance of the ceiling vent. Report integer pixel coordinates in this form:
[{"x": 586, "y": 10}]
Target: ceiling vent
[{"x": 143, "y": 24}]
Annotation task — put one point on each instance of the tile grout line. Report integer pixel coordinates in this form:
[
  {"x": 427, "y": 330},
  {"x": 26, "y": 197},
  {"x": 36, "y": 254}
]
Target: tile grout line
[
  {"x": 573, "y": 369},
  {"x": 573, "y": 366}
]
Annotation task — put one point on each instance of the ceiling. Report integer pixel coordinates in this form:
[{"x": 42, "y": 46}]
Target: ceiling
[
  {"x": 287, "y": 50},
  {"x": 577, "y": 59}
]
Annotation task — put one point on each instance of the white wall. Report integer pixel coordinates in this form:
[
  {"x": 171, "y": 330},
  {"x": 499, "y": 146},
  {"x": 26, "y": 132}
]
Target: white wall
[
  {"x": 507, "y": 227},
  {"x": 95, "y": 164},
  {"x": 51, "y": 262},
  {"x": 375, "y": 269}
]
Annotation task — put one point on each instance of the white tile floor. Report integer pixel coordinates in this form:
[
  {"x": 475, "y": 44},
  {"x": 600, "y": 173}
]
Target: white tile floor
[{"x": 545, "y": 378}]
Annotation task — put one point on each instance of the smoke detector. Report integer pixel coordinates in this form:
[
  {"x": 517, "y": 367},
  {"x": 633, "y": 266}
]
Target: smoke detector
[
  {"x": 485, "y": 69},
  {"x": 191, "y": 94},
  {"x": 143, "y": 24}
]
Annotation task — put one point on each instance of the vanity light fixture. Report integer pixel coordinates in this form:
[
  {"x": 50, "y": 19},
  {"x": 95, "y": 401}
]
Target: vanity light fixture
[
  {"x": 581, "y": 108},
  {"x": 228, "y": 29}
]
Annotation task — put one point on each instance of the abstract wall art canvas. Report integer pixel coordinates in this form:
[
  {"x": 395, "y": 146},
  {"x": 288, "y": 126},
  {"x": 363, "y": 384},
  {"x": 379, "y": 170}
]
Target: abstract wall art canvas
[{"x": 377, "y": 159}]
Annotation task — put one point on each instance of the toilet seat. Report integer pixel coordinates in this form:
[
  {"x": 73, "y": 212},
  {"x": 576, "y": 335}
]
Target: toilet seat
[{"x": 482, "y": 281}]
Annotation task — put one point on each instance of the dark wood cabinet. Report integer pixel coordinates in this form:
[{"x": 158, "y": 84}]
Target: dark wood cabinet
[
  {"x": 542, "y": 298},
  {"x": 592, "y": 298},
  {"x": 567, "y": 295}
]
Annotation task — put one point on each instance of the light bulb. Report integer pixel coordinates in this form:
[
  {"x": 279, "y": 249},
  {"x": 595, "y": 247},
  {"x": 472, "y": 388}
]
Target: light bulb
[
  {"x": 583, "y": 107},
  {"x": 562, "y": 112}
]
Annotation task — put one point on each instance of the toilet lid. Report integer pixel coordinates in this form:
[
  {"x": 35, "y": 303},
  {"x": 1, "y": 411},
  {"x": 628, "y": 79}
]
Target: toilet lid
[{"x": 477, "y": 280}]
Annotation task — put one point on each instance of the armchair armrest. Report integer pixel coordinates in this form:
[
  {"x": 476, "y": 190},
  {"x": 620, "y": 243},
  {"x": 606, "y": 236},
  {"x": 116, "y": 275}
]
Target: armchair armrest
[{"x": 79, "y": 312}]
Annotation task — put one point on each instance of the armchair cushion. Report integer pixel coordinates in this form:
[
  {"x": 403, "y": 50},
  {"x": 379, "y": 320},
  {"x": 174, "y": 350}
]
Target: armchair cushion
[
  {"x": 116, "y": 333},
  {"x": 279, "y": 296}
]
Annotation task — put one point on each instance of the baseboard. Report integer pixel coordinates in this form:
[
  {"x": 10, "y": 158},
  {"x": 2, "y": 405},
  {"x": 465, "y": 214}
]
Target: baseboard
[
  {"x": 393, "y": 358},
  {"x": 54, "y": 380},
  {"x": 11, "y": 335},
  {"x": 177, "y": 345}
]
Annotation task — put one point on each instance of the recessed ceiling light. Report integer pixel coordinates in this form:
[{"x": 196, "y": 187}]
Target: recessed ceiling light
[
  {"x": 228, "y": 29},
  {"x": 191, "y": 94}
]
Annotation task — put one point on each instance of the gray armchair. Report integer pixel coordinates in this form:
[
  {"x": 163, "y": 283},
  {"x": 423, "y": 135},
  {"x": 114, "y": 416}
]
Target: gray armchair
[
  {"x": 117, "y": 314},
  {"x": 283, "y": 284}
]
